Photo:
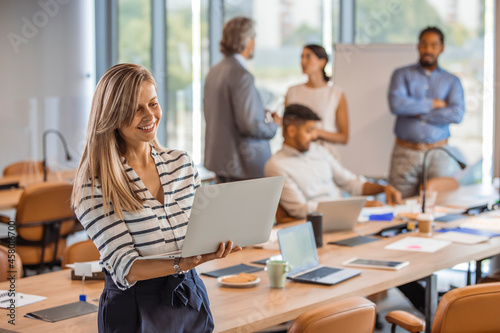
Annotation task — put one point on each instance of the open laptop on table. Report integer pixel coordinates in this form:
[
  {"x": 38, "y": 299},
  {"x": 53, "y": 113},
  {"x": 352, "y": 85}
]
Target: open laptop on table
[
  {"x": 243, "y": 212},
  {"x": 341, "y": 214},
  {"x": 298, "y": 247}
]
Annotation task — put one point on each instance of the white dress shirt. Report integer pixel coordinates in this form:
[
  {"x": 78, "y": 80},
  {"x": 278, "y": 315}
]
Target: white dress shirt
[{"x": 310, "y": 177}]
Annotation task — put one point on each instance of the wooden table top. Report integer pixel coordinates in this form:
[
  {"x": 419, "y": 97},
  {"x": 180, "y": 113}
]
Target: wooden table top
[{"x": 246, "y": 310}]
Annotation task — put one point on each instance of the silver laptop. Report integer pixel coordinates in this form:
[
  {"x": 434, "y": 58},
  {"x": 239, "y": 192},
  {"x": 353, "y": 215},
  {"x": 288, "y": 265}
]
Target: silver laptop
[
  {"x": 341, "y": 214},
  {"x": 298, "y": 247},
  {"x": 243, "y": 212}
]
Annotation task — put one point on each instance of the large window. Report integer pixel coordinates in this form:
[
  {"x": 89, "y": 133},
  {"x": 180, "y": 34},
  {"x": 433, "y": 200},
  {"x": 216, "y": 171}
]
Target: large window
[
  {"x": 463, "y": 22},
  {"x": 134, "y": 32},
  {"x": 283, "y": 28}
]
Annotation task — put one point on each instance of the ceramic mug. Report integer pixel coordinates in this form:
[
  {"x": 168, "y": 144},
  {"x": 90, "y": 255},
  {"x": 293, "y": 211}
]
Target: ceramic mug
[{"x": 277, "y": 270}]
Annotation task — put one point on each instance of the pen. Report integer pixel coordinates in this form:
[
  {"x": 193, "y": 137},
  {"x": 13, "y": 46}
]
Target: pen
[{"x": 8, "y": 299}]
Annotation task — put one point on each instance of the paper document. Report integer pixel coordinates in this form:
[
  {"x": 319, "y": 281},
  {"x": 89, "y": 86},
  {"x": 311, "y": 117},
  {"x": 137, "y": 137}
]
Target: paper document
[
  {"x": 485, "y": 221},
  {"x": 371, "y": 213},
  {"x": 20, "y": 299},
  {"x": 418, "y": 244},
  {"x": 461, "y": 237}
]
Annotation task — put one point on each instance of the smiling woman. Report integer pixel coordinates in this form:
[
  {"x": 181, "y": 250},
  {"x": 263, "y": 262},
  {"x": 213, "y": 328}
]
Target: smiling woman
[{"x": 134, "y": 199}]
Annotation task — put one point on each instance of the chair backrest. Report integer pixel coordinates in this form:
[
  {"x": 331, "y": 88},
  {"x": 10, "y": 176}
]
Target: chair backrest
[
  {"x": 6, "y": 264},
  {"x": 80, "y": 252},
  {"x": 22, "y": 168},
  {"x": 469, "y": 309},
  {"x": 44, "y": 202},
  {"x": 353, "y": 315},
  {"x": 44, "y": 217},
  {"x": 282, "y": 216}
]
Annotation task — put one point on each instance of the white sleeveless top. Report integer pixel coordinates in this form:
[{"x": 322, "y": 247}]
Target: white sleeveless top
[{"x": 324, "y": 102}]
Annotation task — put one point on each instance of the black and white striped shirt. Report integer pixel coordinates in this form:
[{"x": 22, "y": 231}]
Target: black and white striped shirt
[{"x": 154, "y": 230}]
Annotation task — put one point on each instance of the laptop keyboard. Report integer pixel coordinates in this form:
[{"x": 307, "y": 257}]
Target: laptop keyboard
[{"x": 318, "y": 273}]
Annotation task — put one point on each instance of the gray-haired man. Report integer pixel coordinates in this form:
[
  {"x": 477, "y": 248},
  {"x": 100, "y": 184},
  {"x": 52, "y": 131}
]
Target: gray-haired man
[{"x": 237, "y": 130}]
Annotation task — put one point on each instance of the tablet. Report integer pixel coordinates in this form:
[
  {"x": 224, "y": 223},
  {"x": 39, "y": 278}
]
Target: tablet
[{"x": 381, "y": 264}]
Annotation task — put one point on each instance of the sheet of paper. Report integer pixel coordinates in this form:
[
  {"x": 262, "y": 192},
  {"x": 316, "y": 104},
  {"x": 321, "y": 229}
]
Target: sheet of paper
[
  {"x": 96, "y": 268},
  {"x": 20, "y": 299},
  {"x": 461, "y": 237},
  {"x": 418, "y": 244},
  {"x": 485, "y": 221},
  {"x": 367, "y": 211}
]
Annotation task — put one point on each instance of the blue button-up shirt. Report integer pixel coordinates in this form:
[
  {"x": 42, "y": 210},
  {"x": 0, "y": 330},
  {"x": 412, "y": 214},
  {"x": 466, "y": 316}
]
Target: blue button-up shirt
[{"x": 410, "y": 98}]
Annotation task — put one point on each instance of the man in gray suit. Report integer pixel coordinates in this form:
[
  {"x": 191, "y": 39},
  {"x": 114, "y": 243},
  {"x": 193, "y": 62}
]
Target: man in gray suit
[{"x": 238, "y": 128}]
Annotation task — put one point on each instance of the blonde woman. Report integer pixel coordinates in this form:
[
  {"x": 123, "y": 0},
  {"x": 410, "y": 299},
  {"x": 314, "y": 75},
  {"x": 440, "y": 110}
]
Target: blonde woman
[
  {"x": 321, "y": 96},
  {"x": 134, "y": 199}
]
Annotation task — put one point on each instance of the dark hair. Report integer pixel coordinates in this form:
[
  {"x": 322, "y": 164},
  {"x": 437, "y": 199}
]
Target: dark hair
[
  {"x": 435, "y": 30},
  {"x": 320, "y": 52},
  {"x": 235, "y": 35},
  {"x": 298, "y": 114}
]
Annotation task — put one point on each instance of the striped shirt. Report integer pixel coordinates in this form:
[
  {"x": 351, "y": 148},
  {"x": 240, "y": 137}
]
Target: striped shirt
[{"x": 154, "y": 230}]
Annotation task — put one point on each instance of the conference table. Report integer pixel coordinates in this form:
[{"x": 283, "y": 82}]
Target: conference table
[{"x": 251, "y": 309}]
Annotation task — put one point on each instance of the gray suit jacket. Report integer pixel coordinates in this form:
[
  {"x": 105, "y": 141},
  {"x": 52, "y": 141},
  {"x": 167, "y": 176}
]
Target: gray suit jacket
[{"x": 237, "y": 134}]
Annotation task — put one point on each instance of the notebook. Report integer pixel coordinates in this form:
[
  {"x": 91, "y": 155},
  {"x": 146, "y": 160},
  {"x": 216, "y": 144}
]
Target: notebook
[
  {"x": 242, "y": 212},
  {"x": 298, "y": 247},
  {"x": 341, "y": 214},
  {"x": 63, "y": 312}
]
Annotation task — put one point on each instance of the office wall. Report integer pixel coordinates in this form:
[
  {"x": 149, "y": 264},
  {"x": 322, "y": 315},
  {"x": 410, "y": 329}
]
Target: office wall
[{"x": 46, "y": 77}]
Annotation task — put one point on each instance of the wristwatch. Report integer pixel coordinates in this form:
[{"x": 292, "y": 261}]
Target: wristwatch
[{"x": 177, "y": 268}]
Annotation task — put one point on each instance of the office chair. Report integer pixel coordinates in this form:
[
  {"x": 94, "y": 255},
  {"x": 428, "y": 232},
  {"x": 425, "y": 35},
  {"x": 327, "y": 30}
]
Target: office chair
[
  {"x": 353, "y": 315},
  {"x": 80, "y": 252},
  {"x": 44, "y": 217},
  {"x": 282, "y": 216},
  {"x": 6, "y": 264},
  {"x": 462, "y": 310},
  {"x": 23, "y": 168},
  {"x": 442, "y": 184}
]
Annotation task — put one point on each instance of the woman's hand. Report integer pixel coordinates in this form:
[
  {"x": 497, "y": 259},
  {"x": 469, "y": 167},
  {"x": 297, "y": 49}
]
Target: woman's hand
[{"x": 223, "y": 251}]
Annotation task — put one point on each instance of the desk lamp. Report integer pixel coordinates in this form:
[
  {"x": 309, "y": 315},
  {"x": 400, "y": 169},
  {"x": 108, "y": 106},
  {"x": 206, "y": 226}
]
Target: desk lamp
[
  {"x": 44, "y": 162},
  {"x": 424, "y": 171}
]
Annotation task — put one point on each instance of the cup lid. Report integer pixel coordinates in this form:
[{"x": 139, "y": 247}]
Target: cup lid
[{"x": 425, "y": 217}]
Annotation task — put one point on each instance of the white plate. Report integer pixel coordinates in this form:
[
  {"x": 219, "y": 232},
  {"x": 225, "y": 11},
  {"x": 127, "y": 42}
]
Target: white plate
[{"x": 237, "y": 285}]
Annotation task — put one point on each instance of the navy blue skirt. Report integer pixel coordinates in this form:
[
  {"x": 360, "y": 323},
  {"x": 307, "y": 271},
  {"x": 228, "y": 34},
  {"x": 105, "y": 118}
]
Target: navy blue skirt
[{"x": 174, "y": 303}]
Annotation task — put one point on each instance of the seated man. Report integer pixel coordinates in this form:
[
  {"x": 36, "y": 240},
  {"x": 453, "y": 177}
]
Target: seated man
[{"x": 311, "y": 173}]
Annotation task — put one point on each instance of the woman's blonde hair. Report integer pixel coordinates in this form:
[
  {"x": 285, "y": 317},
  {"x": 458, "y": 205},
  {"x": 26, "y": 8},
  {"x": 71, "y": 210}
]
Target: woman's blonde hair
[
  {"x": 235, "y": 35},
  {"x": 114, "y": 104}
]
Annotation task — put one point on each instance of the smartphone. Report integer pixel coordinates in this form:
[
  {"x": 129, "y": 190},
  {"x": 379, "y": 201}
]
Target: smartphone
[{"x": 381, "y": 264}]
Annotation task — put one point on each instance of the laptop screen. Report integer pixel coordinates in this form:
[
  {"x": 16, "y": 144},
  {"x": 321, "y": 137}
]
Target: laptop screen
[{"x": 298, "y": 247}]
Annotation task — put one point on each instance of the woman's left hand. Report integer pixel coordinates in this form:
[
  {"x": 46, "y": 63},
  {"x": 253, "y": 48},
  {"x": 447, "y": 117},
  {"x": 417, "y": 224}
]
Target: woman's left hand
[{"x": 223, "y": 251}]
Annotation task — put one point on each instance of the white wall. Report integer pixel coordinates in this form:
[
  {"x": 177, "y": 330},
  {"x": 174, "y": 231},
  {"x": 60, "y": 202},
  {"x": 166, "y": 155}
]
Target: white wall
[{"x": 47, "y": 69}]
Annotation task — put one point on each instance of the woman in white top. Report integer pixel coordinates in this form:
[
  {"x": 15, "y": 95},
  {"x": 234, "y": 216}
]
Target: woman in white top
[
  {"x": 134, "y": 199},
  {"x": 321, "y": 96}
]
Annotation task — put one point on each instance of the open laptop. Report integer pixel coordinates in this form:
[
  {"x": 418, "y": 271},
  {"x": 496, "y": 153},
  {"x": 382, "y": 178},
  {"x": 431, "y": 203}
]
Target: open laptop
[
  {"x": 298, "y": 247},
  {"x": 341, "y": 214},
  {"x": 243, "y": 212}
]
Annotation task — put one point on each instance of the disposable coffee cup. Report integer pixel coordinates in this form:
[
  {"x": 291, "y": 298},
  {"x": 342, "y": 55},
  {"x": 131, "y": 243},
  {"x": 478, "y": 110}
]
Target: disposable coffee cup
[
  {"x": 316, "y": 220},
  {"x": 425, "y": 223},
  {"x": 277, "y": 270}
]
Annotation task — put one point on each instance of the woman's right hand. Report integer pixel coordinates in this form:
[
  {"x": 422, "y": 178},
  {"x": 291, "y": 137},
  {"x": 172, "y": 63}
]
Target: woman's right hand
[{"x": 223, "y": 251}]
